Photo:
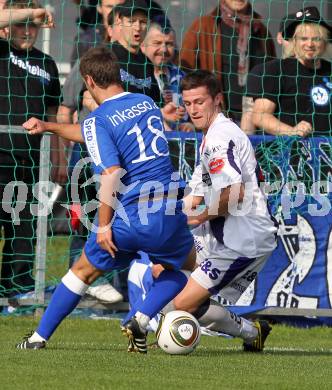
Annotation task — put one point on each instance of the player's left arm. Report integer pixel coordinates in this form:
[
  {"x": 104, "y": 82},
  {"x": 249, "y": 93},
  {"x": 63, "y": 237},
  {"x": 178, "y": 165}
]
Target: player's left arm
[
  {"x": 109, "y": 185},
  {"x": 190, "y": 208}
]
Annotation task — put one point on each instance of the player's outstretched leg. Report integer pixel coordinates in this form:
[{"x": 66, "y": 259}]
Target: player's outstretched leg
[
  {"x": 215, "y": 317},
  {"x": 164, "y": 289},
  {"x": 195, "y": 299},
  {"x": 257, "y": 345},
  {"x": 64, "y": 299}
]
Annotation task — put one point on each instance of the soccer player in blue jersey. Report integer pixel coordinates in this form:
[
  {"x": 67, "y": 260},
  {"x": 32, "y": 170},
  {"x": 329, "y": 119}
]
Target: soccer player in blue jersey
[{"x": 125, "y": 140}]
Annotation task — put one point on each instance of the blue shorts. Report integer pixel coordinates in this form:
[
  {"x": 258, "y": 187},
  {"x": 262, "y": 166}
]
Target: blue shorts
[{"x": 165, "y": 238}]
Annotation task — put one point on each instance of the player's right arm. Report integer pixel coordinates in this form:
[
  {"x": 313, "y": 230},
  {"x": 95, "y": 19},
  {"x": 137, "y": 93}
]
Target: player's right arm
[{"x": 71, "y": 132}]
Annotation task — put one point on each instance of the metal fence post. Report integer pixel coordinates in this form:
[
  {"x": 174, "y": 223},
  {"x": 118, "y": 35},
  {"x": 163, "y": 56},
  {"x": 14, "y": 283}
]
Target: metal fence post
[{"x": 44, "y": 174}]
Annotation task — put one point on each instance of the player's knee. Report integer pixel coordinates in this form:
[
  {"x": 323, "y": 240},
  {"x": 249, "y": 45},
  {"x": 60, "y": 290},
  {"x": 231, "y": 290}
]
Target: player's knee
[
  {"x": 85, "y": 271},
  {"x": 190, "y": 262},
  {"x": 181, "y": 303}
]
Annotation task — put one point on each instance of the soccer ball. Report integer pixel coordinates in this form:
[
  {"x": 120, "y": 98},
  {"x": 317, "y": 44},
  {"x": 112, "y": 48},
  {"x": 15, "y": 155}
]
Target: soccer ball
[{"x": 178, "y": 333}]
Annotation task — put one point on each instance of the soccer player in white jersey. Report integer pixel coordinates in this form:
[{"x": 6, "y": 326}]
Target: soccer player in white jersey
[
  {"x": 235, "y": 234},
  {"x": 125, "y": 140}
]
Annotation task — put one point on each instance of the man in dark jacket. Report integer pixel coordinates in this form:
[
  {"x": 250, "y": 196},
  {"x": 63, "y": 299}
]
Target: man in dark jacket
[{"x": 229, "y": 41}]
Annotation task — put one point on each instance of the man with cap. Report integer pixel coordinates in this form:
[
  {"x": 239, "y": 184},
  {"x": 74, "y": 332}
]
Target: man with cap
[
  {"x": 295, "y": 96},
  {"x": 137, "y": 72}
]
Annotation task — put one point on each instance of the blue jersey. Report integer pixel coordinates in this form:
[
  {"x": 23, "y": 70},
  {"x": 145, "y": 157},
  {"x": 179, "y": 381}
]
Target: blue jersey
[{"x": 127, "y": 131}]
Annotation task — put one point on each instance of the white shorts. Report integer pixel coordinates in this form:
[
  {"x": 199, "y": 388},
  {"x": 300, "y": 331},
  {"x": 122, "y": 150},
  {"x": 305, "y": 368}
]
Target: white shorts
[{"x": 221, "y": 270}]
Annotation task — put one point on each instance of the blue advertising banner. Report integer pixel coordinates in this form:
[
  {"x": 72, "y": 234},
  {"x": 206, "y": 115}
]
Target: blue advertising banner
[{"x": 298, "y": 183}]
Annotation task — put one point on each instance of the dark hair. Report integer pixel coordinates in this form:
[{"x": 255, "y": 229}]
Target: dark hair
[
  {"x": 162, "y": 23},
  {"x": 89, "y": 16},
  {"x": 22, "y": 4},
  {"x": 101, "y": 64},
  {"x": 201, "y": 78}
]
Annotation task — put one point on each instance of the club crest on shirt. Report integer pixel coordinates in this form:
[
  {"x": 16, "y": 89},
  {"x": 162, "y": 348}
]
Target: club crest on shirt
[
  {"x": 216, "y": 165},
  {"x": 320, "y": 95}
]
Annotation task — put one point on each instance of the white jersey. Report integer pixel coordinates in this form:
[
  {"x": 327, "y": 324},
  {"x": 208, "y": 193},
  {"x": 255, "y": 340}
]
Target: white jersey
[{"x": 227, "y": 157}]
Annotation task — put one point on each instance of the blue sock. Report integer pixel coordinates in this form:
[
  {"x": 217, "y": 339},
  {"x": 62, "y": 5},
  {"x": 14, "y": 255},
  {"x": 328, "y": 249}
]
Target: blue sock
[
  {"x": 63, "y": 302},
  {"x": 163, "y": 290}
]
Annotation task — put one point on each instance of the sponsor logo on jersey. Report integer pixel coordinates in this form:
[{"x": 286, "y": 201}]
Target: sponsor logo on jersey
[
  {"x": 89, "y": 129},
  {"x": 320, "y": 95},
  {"x": 216, "y": 165},
  {"x": 217, "y": 148},
  {"x": 206, "y": 179},
  {"x": 35, "y": 70},
  {"x": 198, "y": 245},
  {"x": 132, "y": 112}
]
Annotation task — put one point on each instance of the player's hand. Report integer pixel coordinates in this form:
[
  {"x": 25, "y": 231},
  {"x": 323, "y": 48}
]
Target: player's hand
[
  {"x": 104, "y": 240},
  {"x": 42, "y": 18},
  {"x": 157, "y": 269},
  {"x": 172, "y": 113},
  {"x": 89, "y": 102},
  {"x": 193, "y": 220},
  {"x": 303, "y": 129},
  {"x": 196, "y": 218},
  {"x": 35, "y": 126}
]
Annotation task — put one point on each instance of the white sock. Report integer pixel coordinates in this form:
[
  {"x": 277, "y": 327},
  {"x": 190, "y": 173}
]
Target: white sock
[
  {"x": 248, "y": 331},
  {"x": 74, "y": 283},
  {"x": 35, "y": 338},
  {"x": 216, "y": 317},
  {"x": 143, "y": 320}
]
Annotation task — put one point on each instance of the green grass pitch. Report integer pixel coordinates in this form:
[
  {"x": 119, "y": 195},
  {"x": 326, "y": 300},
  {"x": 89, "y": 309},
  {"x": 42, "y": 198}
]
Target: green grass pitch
[{"x": 90, "y": 354}]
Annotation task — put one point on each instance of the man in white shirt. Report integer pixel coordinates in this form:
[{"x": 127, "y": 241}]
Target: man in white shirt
[{"x": 235, "y": 233}]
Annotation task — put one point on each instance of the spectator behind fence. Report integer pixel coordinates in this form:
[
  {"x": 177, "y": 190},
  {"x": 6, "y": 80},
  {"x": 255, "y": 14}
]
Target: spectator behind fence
[
  {"x": 92, "y": 26},
  {"x": 254, "y": 82},
  {"x": 160, "y": 47},
  {"x": 72, "y": 98},
  {"x": 229, "y": 41},
  {"x": 295, "y": 97},
  {"x": 136, "y": 70},
  {"x": 29, "y": 86}
]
